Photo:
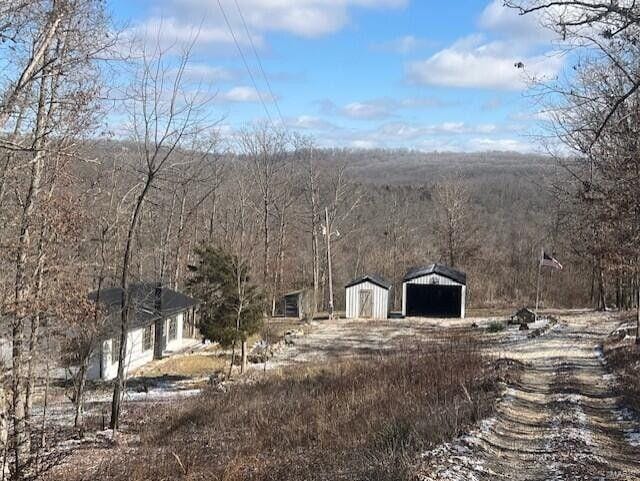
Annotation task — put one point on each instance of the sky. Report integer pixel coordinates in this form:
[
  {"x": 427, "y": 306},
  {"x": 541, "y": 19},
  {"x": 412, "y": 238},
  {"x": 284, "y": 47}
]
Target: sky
[{"x": 417, "y": 74}]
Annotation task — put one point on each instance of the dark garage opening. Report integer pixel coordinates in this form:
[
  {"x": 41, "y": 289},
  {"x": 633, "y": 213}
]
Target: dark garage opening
[{"x": 433, "y": 300}]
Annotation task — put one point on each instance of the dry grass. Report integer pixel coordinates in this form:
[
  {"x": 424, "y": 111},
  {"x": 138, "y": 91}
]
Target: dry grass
[
  {"x": 214, "y": 359},
  {"x": 363, "y": 419},
  {"x": 187, "y": 365},
  {"x": 624, "y": 359}
]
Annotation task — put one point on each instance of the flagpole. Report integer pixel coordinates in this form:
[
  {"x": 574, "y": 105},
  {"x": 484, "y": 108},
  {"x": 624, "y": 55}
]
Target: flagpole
[{"x": 538, "y": 283}]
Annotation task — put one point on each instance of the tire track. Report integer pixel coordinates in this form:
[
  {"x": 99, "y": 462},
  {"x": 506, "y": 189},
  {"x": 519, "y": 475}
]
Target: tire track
[{"x": 561, "y": 421}]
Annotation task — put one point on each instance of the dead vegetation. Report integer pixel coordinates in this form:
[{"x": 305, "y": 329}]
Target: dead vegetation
[
  {"x": 353, "y": 419},
  {"x": 623, "y": 358}
]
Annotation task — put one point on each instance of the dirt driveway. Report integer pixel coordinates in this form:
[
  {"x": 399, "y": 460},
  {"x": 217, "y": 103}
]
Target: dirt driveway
[
  {"x": 561, "y": 421},
  {"x": 331, "y": 340}
]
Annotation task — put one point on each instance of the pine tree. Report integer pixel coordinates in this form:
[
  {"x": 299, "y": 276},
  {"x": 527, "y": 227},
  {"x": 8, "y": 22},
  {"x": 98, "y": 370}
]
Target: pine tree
[{"x": 232, "y": 306}]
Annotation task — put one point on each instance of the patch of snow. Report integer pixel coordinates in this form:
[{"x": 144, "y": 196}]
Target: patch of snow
[{"x": 631, "y": 426}]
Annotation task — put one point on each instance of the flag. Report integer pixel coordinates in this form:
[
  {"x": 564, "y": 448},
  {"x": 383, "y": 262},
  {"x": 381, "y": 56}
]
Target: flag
[{"x": 549, "y": 261}]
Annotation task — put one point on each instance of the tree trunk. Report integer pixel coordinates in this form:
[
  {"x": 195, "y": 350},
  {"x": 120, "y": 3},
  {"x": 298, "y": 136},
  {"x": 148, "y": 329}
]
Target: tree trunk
[
  {"x": 243, "y": 365},
  {"x": 176, "y": 271},
  {"x": 233, "y": 359},
  {"x": 166, "y": 241},
  {"x": 4, "y": 432},
  {"x": 79, "y": 394},
  {"x": 124, "y": 325},
  {"x": 602, "y": 302},
  {"x": 21, "y": 434}
]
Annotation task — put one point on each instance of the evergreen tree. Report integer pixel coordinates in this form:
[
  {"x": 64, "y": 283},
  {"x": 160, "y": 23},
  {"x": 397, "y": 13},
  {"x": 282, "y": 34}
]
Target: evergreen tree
[{"x": 231, "y": 307}]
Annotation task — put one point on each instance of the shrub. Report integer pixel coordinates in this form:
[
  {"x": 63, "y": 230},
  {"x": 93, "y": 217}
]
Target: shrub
[
  {"x": 496, "y": 326},
  {"x": 624, "y": 361}
]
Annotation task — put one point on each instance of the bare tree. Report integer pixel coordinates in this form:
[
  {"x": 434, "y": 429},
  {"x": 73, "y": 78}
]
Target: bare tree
[
  {"x": 166, "y": 118},
  {"x": 454, "y": 219},
  {"x": 49, "y": 106},
  {"x": 265, "y": 149}
]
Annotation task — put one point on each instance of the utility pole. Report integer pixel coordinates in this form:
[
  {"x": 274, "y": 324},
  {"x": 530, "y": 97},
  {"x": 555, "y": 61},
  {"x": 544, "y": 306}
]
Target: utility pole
[
  {"x": 538, "y": 283},
  {"x": 326, "y": 230}
]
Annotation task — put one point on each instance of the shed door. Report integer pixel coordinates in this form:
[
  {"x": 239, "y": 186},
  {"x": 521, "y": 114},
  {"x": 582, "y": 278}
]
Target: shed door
[
  {"x": 434, "y": 300},
  {"x": 366, "y": 304},
  {"x": 291, "y": 306}
]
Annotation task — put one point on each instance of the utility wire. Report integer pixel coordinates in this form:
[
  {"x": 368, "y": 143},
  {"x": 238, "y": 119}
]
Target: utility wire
[
  {"x": 244, "y": 60},
  {"x": 264, "y": 74}
]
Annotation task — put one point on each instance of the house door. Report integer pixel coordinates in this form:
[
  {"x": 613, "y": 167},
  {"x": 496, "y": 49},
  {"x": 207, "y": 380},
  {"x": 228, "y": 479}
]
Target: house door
[{"x": 366, "y": 304}]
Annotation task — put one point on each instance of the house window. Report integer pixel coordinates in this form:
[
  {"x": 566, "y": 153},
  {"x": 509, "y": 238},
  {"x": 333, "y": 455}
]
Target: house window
[
  {"x": 115, "y": 350},
  {"x": 147, "y": 338},
  {"x": 189, "y": 328},
  {"x": 173, "y": 329}
]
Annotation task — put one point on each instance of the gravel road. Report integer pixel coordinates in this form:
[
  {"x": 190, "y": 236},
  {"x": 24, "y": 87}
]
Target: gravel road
[{"x": 561, "y": 421}]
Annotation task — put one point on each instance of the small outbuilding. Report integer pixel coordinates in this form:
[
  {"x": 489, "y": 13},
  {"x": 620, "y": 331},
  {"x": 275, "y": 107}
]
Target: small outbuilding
[
  {"x": 434, "y": 291},
  {"x": 367, "y": 297},
  {"x": 296, "y": 304}
]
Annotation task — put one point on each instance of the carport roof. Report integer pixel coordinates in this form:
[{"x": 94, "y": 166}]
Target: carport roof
[
  {"x": 377, "y": 280},
  {"x": 450, "y": 272}
]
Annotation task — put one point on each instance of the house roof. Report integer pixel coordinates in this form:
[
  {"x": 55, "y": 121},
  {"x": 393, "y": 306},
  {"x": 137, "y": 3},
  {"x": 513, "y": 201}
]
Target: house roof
[
  {"x": 449, "y": 272},
  {"x": 374, "y": 279},
  {"x": 147, "y": 305},
  {"x": 295, "y": 293}
]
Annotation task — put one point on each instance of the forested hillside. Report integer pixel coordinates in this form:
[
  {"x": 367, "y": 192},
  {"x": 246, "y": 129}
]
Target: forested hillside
[{"x": 388, "y": 207}]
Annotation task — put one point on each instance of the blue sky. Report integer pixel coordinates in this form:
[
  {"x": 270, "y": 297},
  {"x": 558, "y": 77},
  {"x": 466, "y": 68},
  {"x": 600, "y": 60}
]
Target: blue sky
[{"x": 425, "y": 75}]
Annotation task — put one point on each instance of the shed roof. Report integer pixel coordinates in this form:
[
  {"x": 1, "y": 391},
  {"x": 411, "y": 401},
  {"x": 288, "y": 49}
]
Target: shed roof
[
  {"x": 446, "y": 271},
  {"x": 147, "y": 306},
  {"x": 374, "y": 279},
  {"x": 295, "y": 293}
]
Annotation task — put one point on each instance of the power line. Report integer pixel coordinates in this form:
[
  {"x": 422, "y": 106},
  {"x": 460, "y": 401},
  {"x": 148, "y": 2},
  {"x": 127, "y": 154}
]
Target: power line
[
  {"x": 244, "y": 60},
  {"x": 264, "y": 74}
]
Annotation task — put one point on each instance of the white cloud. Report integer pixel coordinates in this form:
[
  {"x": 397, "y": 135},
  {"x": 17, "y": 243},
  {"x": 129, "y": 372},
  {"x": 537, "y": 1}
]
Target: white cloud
[
  {"x": 409, "y": 131},
  {"x": 523, "y": 28},
  {"x": 364, "y": 110},
  {"x": 445, "y": 136},
  {"x": 380, "y": 108},
  {"x": 175, "y": 31},
  {"x": 472, "y": 62},
  {"x": 243, "y": 94},
  {"x": 208, "y": 73},
  {"x": 509, "y": 145},
  {"x": 364, "y": 144},
  {"x": 488, "y": 60},
  {"x": 178, "y": 21},
  {"x": 309, "y": 122},
  {"x": 402, "y": 45}
]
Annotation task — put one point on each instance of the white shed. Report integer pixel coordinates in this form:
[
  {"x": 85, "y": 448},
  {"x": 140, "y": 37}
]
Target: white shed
[
  {"x": 434, "y": 291},
  {"x": 368, "y": 298}
]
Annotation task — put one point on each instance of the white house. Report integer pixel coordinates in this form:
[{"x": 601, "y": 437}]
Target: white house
[
  {"x": 367, "y": 297},
  {"x": 162, "y": 321},
  {"x": 434, "y": 291}
]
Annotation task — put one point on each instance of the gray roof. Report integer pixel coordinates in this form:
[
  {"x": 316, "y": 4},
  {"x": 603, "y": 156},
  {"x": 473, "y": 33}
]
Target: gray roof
[
  {"x": 449, "y": 272},
  {"x": 295, "y": 293},
  {"x": 146, "y": 307},
  {"x": 377, "y": 280}
]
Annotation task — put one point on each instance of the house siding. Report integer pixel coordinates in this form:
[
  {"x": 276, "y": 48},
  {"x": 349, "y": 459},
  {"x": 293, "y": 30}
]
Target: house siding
[
  {"x": 134, "y": 357},
  {"x": 433, "y": 278},
  {"x": 177, "y": 343},
  {"x": 380, "y": 300}
]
